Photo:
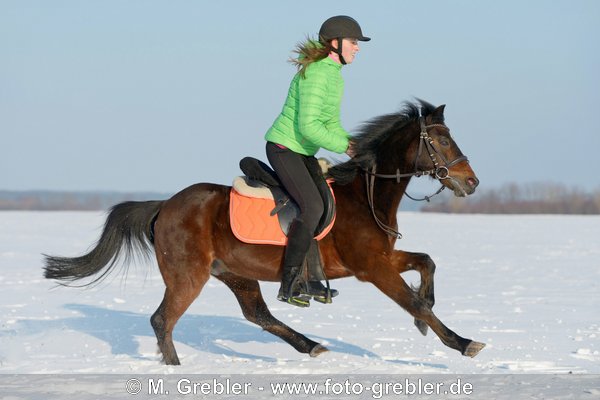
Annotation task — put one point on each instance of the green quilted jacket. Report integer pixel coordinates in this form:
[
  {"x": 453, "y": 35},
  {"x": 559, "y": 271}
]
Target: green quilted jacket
[{"x": 310, "y": 118}]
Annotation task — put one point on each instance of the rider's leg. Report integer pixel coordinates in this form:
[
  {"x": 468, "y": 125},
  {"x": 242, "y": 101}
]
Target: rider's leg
[{"x": 292, "y": 170}]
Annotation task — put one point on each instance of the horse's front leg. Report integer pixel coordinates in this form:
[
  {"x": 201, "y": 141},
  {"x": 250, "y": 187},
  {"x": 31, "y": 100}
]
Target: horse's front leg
[
  {"x": 391, "y": 283},
  {"x": 403, "y": 261}
]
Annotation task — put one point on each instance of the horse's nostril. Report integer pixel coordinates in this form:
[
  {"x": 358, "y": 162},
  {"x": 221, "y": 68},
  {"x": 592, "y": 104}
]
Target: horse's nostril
[{"x": 473, "y": 182}]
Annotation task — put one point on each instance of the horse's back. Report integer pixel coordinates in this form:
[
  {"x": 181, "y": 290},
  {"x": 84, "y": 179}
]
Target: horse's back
[
  {"x": 196, "y": 196},
  {"x": 192, "y": 211}
]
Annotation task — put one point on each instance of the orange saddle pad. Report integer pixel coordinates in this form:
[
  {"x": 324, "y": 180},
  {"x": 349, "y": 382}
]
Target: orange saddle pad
[{"x": 252, "y": 223}]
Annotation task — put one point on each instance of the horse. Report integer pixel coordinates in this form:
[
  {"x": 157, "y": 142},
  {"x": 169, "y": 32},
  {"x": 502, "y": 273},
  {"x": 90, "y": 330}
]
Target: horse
[{"x": 191, "y": 237}]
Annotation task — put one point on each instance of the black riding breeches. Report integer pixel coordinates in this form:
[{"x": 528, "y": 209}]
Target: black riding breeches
[{"x": 301, "y": 176}]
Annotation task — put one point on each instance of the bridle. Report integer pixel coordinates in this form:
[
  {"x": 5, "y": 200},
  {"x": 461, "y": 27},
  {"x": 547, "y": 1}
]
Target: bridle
[{"x": 440, "y": 171}]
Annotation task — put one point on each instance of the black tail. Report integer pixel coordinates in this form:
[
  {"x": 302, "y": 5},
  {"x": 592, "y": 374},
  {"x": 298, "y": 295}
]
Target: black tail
[{"x": 129, "y": 227}]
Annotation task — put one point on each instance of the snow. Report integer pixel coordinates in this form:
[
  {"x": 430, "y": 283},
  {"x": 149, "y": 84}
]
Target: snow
[{"x": 527, "y": 286}]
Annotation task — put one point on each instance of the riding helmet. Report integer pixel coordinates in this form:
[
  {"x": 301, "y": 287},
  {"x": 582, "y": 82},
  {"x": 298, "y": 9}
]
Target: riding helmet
[{"x": 341, "y": 26}]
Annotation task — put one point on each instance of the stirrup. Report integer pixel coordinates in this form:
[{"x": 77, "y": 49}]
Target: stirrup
[
  {"x": 291, "y": 282},
  {"x": 319, "y": 292},
  {"x": 298, "y": 300}
]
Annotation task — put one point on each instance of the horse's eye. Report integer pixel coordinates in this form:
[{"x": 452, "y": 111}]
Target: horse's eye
[{"x": 444, "y": 141}]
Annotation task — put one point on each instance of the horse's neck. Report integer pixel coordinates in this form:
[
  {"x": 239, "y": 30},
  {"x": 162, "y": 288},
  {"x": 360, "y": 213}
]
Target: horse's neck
[{"x": 387, "y": 194}]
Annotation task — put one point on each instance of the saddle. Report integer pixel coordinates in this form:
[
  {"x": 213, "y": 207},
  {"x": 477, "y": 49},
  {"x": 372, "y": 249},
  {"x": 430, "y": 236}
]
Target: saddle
[{"x": 261, "y": 211}]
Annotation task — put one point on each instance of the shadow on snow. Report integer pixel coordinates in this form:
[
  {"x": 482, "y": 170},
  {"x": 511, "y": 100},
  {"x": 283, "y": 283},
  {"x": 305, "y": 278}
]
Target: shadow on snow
[{"x": 119, "y": 329}]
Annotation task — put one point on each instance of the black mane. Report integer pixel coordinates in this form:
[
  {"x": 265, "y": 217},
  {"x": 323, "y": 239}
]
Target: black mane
[{"x": 372, "y": 134}]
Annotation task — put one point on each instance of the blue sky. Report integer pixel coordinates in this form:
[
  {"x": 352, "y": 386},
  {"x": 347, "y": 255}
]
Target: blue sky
[{"x": 157, "y": 95}]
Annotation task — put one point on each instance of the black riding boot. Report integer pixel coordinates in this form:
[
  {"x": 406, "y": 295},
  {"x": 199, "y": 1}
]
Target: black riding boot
[
  {"x": 299, "y": 239},
  {"x": 289, "y": 292}
]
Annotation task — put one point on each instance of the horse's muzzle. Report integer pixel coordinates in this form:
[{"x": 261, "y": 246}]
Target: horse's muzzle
[
  {"x": 472, "y": 182},
  {"x": 462, "y": 187}
]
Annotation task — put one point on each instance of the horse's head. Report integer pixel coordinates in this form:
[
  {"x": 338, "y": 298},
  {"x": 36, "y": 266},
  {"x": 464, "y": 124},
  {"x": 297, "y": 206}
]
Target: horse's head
[
  {"x": 412, "y": 142},
  {"x": 438, "y": 155},
  {"x": 399, "y": 146}
]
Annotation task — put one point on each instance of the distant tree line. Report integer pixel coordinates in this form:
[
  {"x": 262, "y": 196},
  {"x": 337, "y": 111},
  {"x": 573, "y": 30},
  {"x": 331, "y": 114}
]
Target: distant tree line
[
  {"x": 72, "y": 201},
  {"x": 535, "y": 198}
]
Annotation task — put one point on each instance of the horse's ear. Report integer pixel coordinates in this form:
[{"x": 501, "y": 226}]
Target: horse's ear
[
  {"x": 436, "y": 116},
  {"x": 438, "y": 113}
]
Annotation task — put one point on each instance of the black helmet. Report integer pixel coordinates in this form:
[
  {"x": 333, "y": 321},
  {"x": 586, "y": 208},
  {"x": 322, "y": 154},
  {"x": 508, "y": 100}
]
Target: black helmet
[{"x": 341, "y": 26}]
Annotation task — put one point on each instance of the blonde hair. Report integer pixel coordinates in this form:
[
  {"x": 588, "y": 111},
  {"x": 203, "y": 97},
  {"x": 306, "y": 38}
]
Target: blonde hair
[{"x": 309, "y": 51}]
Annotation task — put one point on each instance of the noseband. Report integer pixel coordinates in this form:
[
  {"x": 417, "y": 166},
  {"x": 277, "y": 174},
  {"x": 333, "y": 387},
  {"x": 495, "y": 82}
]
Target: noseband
[{"x": 440, "y": 171}]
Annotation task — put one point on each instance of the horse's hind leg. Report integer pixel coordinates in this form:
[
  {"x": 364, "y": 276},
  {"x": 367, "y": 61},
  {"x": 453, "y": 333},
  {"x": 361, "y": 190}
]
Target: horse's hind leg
[
  {"x": 404, "y": 261},
  {"x": 180, "y": 293},
  {"x": 255, "y": 310}
]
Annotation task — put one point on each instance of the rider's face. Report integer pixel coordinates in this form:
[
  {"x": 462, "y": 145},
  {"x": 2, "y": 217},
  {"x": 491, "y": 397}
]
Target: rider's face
[{"x": 349, "y": 49}]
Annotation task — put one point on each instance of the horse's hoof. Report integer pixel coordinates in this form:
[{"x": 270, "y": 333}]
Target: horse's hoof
[
  {"x": 473, "y": 349},
  {"x": 421, "y": 326},
  {"x": 318, "y": 349}
]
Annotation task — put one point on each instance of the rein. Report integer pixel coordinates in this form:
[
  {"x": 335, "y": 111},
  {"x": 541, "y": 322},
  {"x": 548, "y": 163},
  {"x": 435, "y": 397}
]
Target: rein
[{"x": 440, "y": 172}]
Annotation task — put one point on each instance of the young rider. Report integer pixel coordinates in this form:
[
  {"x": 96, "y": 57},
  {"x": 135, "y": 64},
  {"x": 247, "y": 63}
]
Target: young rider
[{"x": 310, "y": 120}]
